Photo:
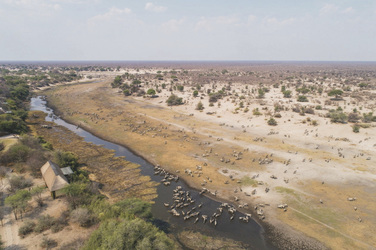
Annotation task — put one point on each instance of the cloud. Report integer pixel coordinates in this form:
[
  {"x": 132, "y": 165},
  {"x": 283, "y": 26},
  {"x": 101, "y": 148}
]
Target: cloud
[
  {"x": 41, "y": 6},
  {"x": 328, "y": 8},
  {"x": 275, "y": 21},
  {"x": 112, "y": 13},
  {"x": 348, "y": 10},
  {"x": 172, "y": 25},
  {"x": 251, "y": 19},
  {"x": 211, "y": 23},
  {"x": 154, "y": 8}
]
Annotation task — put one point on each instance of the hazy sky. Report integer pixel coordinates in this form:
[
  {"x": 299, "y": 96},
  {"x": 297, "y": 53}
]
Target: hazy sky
[{"x": 331, "y": 30}]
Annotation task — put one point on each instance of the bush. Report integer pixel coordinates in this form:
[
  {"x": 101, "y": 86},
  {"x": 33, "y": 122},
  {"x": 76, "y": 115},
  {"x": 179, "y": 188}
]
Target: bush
[
  {"x": 16, "y": 153},
  {"x": 200, "y": 106},
  {"x": 272, "y": 122},
  {"x": 174, "y": 100},
  {"x": 48, "y": 243},
  {"x": 353, "y": 117},
  {"x": 256, "y": 112},
  {"x": 278, "y": 115},
  {"x": 318, "y": 107},
  {"x": 66, "y": 159},
  {"x": 368, "y": 117},
  {"x": 309, "y": 111},
  {"x": 2, "y": 146},
  {"x": 128, "y": 234},
  {"x": 44, "y": 223},
  {"x": 26, "y": 228},
  {"x": 337, "y": 116},
  {"x": 287, "y": 93},
  {"x": 356, "y": 128},
  {"x": 151, "y": 92},
  {"x": 195, "y": 93},
  {"x": 17, "y": 182},
  {"x": 82, "y": 216},
  {"x": 302, "y": 98}
]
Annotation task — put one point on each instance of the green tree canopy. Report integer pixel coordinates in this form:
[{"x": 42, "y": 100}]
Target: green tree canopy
[
  {"x": 18, "y": 202},
  {"x": 335, "y": 92}
]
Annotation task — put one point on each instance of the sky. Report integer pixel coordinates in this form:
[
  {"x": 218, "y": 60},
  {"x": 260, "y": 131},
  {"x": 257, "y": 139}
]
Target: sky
[{"x": 164, "y": 30}]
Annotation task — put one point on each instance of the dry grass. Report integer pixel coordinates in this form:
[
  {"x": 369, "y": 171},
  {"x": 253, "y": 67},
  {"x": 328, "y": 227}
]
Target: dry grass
[
  {"x": 120, "y": 178},
  {"x": 157, "y": 134}
]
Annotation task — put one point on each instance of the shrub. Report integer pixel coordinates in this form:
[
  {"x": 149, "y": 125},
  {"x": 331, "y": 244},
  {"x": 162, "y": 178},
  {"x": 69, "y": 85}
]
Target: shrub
[
  {"x": 151, "y": 92},
  {"x": 368, "y": 117},
  {"x": 48, "y": 243},
  {"x": 278, "y": 115},
  {"x": 318, "y": 107},
  {"x": 302, "y": 98},
  {"x": 356, "y": 128},
  {"x": 174, "y": 100},
  {"x": 26, "y": 228},
  {"x": 2, "y": 146},
  {"x": 314, "y": 123},
  {"x": 309, "y": 111},
  {"x": 287, "y": 93},
  {"x": 66, "y": 159},
  {"x": 261, "y": 93},
  {"x": 337, "y": 116},
  {"x": 82, "y": 216},
  {"x": 16, "y": 153},
  {"x": 44, "y": 223},
  {"x": 256, "y": 112},
  {"x": 195, "y": 93},
  {"x": 199, "y": 106},
  {"x": 128, "y": 234},
  {"x": 272, "y": 122},
  {"x": 17, "y": 182},
  {"x": 353, "y": 117}
]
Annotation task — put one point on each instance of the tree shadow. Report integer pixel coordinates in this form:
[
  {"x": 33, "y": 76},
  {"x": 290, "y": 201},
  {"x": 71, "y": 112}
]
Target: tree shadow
[
  {"x": 15, "y": 247},
  {"x": 162, "y": 225}
]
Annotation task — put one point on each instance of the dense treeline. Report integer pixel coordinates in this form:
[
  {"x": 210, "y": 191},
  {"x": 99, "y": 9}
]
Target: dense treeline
[
  {"x": 14, "y": 93},
  {"x": 15, "y": 87}
]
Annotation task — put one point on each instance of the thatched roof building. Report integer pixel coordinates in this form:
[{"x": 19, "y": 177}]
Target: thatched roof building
[{"x": 53, "y": 177}]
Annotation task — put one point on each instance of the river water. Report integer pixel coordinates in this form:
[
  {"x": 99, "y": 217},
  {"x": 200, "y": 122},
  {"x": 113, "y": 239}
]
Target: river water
[{"x": 250, "y": 233}]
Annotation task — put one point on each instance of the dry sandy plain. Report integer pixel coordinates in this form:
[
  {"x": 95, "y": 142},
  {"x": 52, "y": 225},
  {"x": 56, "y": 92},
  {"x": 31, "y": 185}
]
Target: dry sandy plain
[{"x": 323, "y": 171}]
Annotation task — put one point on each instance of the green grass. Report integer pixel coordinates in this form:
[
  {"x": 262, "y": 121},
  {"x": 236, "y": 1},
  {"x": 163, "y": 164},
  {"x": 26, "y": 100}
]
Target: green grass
[
  {"x": 246, "y": 181},
  {"x": 310, "y": 207},
  {"x": 8, "y": 142}
]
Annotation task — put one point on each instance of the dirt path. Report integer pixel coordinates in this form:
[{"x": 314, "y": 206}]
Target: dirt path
[{"x": 9, "y": 230}]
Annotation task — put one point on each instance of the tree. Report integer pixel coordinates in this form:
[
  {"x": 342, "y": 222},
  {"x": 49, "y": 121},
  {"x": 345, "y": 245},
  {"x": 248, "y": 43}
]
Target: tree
[
  {"x": 335, "y": 92},
  {"x": 117, "y": 82},
  {"x": 128, "y": 234},
  {"x": 151, "y": 92},
  {"x": 67, "y": 159},
  {"x": 18, "y": 202},
  {"x": 76, "y": 193}
]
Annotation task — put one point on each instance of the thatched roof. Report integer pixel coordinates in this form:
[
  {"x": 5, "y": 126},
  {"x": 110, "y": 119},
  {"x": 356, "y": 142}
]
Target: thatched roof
[{"x": 53, "y": 176}]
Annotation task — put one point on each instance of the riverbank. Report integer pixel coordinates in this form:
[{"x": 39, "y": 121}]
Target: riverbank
[{"x": 230, "y": 158}]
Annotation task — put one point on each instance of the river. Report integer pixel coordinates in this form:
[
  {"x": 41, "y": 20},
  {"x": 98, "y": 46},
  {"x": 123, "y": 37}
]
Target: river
[{"x": 251, "y": 233}]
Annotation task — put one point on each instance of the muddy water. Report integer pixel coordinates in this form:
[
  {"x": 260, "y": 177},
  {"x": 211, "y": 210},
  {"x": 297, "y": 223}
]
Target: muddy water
[{"x": 250, "y": 233}]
